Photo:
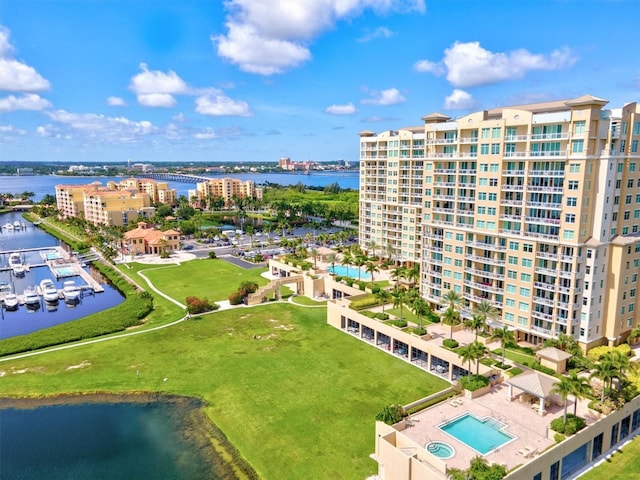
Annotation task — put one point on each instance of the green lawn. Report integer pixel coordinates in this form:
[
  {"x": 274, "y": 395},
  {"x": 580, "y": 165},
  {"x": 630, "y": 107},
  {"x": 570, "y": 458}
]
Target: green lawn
[
  {"x": 623, "y": 465},
  {"x": 295, "y": 396},
  {"x": 513, "y": 355},
  {"x": 213, "y": 279}
]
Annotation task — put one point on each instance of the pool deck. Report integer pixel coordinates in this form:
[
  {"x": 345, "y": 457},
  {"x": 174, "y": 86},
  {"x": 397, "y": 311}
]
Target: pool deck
[{"x": 523, "y": 422}]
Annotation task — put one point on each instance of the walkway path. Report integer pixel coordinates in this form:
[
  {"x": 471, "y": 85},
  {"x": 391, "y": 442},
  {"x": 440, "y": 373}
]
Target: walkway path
[{"x": 223, "y": 304}]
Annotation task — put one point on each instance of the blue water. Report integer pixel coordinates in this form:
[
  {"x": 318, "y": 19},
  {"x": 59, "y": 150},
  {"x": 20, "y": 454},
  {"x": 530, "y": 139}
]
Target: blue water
[
  {"x": 41, "y": 185},
  {"x": 98, "y": 441},
  {"x": 479, "y": 435},
  {"x": 23, "y": 320},
  {"x": 352, "y": 272}
]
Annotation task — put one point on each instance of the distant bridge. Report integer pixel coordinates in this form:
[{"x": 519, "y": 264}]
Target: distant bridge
[{"x": 175, "y": 177}]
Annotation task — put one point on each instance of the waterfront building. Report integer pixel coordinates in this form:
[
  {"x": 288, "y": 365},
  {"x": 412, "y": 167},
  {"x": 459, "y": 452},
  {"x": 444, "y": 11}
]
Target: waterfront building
[
  {"x": 159, "y": 192},
  {"x": 533, "y": 208},
  {"x": 227, "y": 189},
  {"x": 145, "y": 239},
  {"x": 103, "y": 205}
]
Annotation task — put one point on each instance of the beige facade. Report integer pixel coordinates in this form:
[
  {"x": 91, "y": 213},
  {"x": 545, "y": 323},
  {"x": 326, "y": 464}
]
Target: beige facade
[
  {"x": 159, "y": 192},
  {"x": 535, "y": 208},
  {"x": 147, "y": 240},
  {"x": 227, "y": 189},
  {"x": 103, "y": 205}
]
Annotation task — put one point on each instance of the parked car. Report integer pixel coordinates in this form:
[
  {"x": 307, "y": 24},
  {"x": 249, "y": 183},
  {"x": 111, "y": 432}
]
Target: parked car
[{"x": 187, "y": 247}]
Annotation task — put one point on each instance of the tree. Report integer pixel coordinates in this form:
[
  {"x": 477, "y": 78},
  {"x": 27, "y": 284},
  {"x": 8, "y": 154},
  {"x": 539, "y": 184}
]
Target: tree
[
  {"x": 383, "y": 297},
  {"x": 398, "y": 295},
  {"x": 635, "y": 333},
  {"x": 413, "y": 274},
  {"x": 347, "y": 259},
  {"x": 604, "y": 371},
  {"x": 486, "y": 311},
  {"x": 563, "y": 387},
  {"x": 332, "y": 258},
  {"x": 420, "y": 308},
  {"x": 580, "y": 388},
  {"x": 466, "y": 354},
  {"x": 314, "y": 255},
  {"x": 479, "y": 351},
  {"x": 477, "y": 323},
  {"x": 359, "y": 261},
  {"x": 453, "y": 300},
  {"x": 371, "y": 268},
  {"x": 373, "y": 246},
  {"x": 505, "y": 336},
  {"x": 398, "y": 273}
]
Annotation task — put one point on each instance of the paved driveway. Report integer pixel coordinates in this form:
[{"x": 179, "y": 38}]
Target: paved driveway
[{"x": 242, "y": 263}]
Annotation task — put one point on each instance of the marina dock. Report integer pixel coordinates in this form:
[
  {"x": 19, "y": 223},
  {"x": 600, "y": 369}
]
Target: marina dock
[{"x": 61, "y": 264}]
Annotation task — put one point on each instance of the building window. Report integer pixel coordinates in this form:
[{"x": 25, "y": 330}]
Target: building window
[
  {"x": 570, "y": 218},
  {"x": 572, "y": 201},
  {"x": 484, "y": 149},
  {"x": 577, "y": 146},
  {"x": 495, "y": 132},
  {"x": 485, "y": 133},
  {"x": 495, "y": 149},
  {"x": 573, "y": 184},
  {"x": 578, "y": 127}
]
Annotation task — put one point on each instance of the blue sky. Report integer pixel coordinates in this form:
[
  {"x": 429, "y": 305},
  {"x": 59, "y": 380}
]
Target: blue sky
[{"x": 255, "y": 80}]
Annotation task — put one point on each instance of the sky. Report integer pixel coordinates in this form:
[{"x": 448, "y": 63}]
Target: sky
[{"x": 97, "y": 81}]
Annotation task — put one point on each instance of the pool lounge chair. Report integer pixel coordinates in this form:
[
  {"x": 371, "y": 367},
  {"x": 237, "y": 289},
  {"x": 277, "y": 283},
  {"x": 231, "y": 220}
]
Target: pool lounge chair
[{"x": 454, "y": 403}]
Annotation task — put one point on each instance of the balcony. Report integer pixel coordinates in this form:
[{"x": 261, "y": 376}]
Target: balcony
[
  {"x": 513, "y": 173},
  {"x": 485, "y": 260},
  {"x": 511, "y": 203},
  {"x": 543, "y": 221},
  {"x": 545, "y": 286},
  {"x": 545, "y": 188},
  {"x": 546, "y": 271},
  {"x": 543, "y": 331},
  {"x": 551, "y": 206},
  {"x": 543, "y": 301},
  {"x": 547, "y": 255},
  {"x": 441, "y": 141},
  {"x": 512, "y": 188},
  {"x": 550, "y": 136},
  {"x": 445, "y": 170},
  {"x": 468, "y": 140},
  {"x": 542, "y": 316},
  {"x": 546, "y": 173},
  {"x": 487, "y": 246}
]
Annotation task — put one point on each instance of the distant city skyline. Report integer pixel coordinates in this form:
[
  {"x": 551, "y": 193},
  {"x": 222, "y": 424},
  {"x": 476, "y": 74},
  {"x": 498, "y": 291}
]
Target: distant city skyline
[{"x": 251, "y": 80}]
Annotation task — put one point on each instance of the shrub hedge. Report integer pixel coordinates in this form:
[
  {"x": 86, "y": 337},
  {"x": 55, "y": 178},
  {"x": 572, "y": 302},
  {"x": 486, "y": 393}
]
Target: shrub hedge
[
  {"x": 474, "y": 382},
  {"x": 450, "y": 343},
  {"x": 573, "y": 424}
]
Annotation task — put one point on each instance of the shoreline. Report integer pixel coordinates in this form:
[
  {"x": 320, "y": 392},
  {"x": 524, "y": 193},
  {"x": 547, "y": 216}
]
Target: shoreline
[{"x": 197, "y": 429}]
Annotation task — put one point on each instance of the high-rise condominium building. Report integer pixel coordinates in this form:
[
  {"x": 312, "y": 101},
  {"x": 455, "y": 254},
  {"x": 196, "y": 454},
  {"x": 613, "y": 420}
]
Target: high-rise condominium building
[{"x": 533, "y": 208}]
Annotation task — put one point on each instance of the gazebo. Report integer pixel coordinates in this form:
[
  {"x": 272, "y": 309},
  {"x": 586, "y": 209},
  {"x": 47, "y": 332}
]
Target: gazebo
[
  {"x": 324, "y": 252},
  {"x": 553, "y": 358},
  {"x": 535, "y": 384}
]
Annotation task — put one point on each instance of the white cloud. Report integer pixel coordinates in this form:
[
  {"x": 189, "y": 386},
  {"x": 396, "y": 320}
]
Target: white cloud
[
  {"x": 16, "y": 76},
  {"x": 348, "y": 109},
  {"x": 156, "y": 100},
  {"x": 428, "y": 66},
  {"x": 470, "y": 65},
  {"x": 459, "y": 100},
  {"x": 104, "y": 129},
  {"x": 270, "y": 37},
  {"x": 116, "y": 102},
  {"x": 390, "y": 96},
  {"x": 29, "y": 101},
  {"x": 380, "y": 32},
  {"x": 216, "y": 104},
  {"x": 156, "y": 89},
  {"x": 12, "y": 129}
]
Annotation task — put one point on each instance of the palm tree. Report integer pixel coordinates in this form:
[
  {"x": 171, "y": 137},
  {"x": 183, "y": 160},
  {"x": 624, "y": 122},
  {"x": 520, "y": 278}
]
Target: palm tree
[
  {"x": 347, "y": 259},
  {"x": 314, "y": 254},
  {"x": 383, "y": 297},
  {"x": 398, "y": 273},
  {"x": 453, "y": 300},
  {"x": 413, "y": 274},
  {"x": 479, "y": 351},
  {"x": 477, "y": 323},
  {"x": 505, "y": 336},
  {"x": 373, "y": 246},
  {"x": 580, "y": 387},
  {"x": 563, "y": 387},
  {"x": 371, "y": 268},
  {"x": 635, "y": 333},
  {"x": 420, "y": 307},
  {"x": 620, "y": 362},
  {"x": 332, "y": 258},
  {"x": 486, "y": 311},
  {"x": 604, "y": 371},
  {"x": 467, "y": 354},
  {"x": 359, "y": 261},
  {"x": 398, "y": 295}
]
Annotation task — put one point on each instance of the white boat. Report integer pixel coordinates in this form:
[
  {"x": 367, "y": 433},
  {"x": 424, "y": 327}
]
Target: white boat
[
  {"x": 5, "y": 289},
  {"x": 11, "y": 301},
  {"x": 17, "y": 225},
  {"x": 31, "y": 296},
  {"x": 49, "y": 291},
  {"x": 71, "y": 292},
  {"x": 8, "y": 226},
  {"x": 15, "y": 263}
]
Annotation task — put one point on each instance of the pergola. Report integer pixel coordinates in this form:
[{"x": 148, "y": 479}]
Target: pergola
[{"x": 535, "y": 384}]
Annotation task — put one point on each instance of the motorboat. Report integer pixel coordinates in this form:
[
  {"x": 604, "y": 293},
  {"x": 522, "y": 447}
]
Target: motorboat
[
  {"x": 8, "y": 226},
  {"x": 5, "y": 289},
  {"x": 11, "y": 301},
  {"x": 17, "y": 225},
  {"x": 71, "y": 292},
  {"x": 49, "y": 291},
  {"x": 15, "y": 263},
  {"x": 31, "y": 296}
]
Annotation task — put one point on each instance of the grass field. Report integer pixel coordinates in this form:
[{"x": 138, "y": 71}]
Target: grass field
[
  {"x": 295, "y": 396},
  {"x": 623, "y": 465}
]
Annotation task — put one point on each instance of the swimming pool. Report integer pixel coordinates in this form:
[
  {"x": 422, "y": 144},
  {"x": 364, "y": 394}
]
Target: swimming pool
[
  {"x": 440, "y": 449},
  {"x": 352, "y": 272},
  {"x": 64, "y": 271},
  {"x": 480, "y": 434}
]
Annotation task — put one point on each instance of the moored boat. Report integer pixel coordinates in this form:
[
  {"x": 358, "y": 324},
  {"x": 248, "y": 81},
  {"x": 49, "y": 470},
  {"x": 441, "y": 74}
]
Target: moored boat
[
  {"x": 8, "y": 226},
  {"x": 17, "y": 225},
  {"x": 15, "y": 263},
  {"x": 11, "y": 301},
  {"x": 31, "y": 296},
  {"x": 49, "y": 291},
  {"x": 71, "y": 292}
]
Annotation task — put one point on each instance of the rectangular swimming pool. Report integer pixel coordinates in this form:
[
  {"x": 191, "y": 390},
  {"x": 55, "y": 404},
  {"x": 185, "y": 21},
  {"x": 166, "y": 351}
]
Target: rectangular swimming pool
[{"x": 480, "y": 434}]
